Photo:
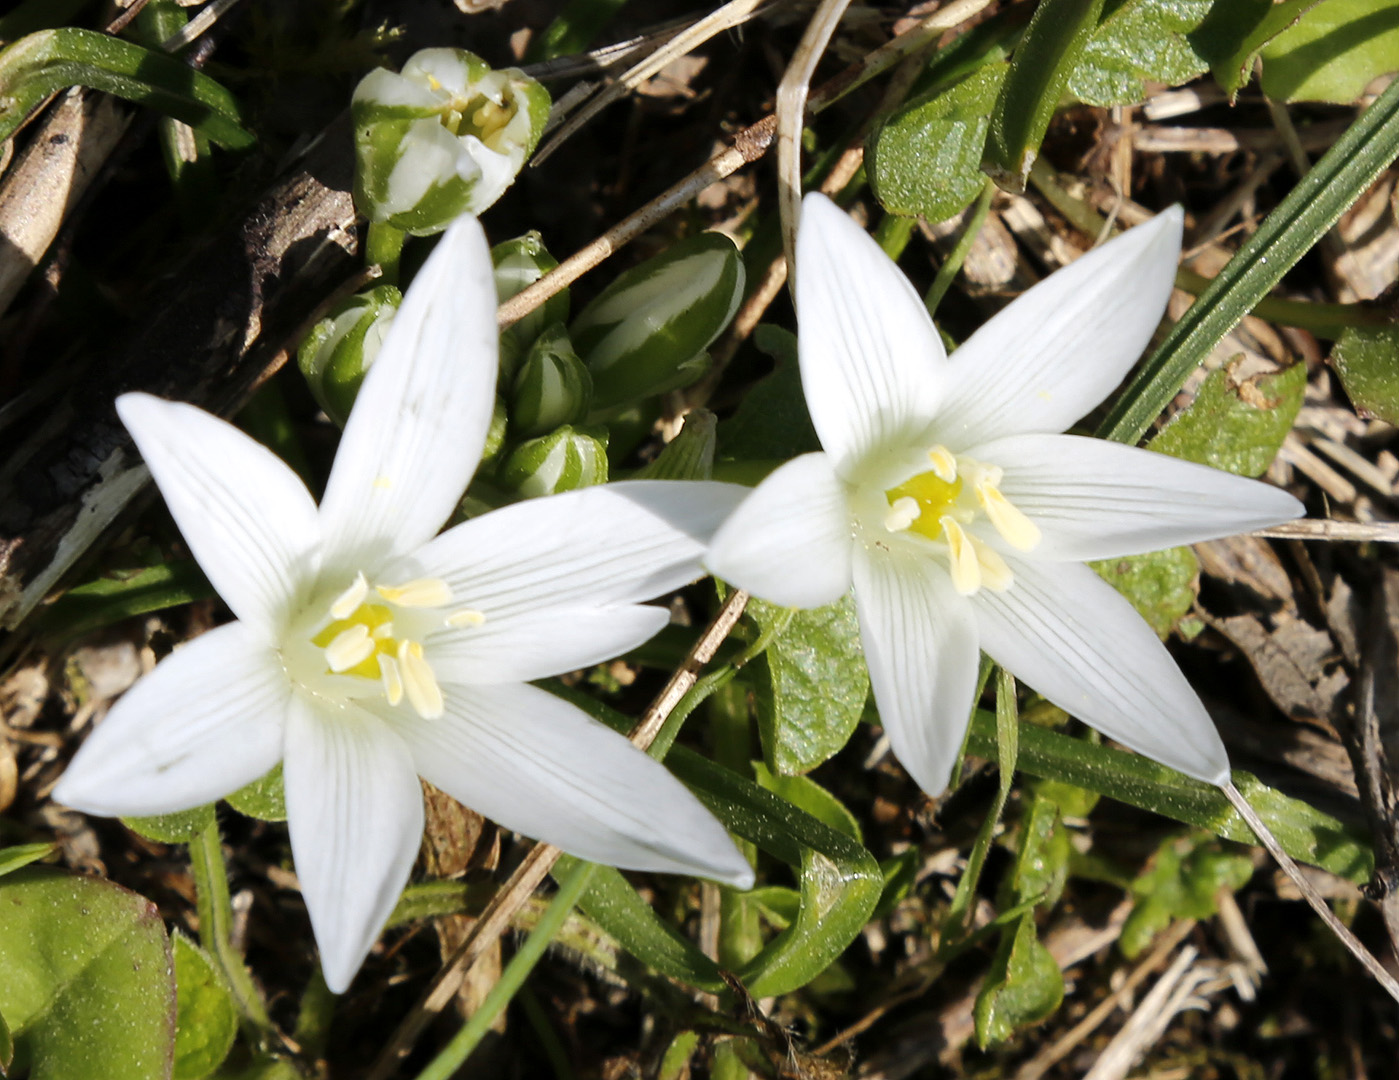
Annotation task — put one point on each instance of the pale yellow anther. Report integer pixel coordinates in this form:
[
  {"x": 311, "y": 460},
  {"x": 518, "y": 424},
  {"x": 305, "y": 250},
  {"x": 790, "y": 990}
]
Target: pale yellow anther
[
  {"x": 995, "y": 574},
  {"x": 963, "y": 564},
  {"x": 392, "y": 680},
  {"x": 344, "y": 605},
  {"x": 421, "y": 592},
  {"x": 350, "y": 647},
  {"x": 383, "y": 632},
  {"x": 903, "y": 513},
  {"x": 464, "y": 618},
  {"x": 419, "y": 682},
  {"x": 944, "y": 463},
  {"x": 1015, "y": 528}
]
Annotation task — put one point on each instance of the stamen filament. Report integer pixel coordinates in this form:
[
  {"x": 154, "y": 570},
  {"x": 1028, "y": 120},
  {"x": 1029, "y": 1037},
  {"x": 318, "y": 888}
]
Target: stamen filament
[
  {"x": 963, "y": 564},
  {"x": 944, "y": 464},
  {"x": 1015, "y": 528},
  {"x": 344, "y": 605},
  {"x": 465, "y": 617},
  {"x": 391, "y": 678},
  {"x": 421, "y": 592},
  {"x": 419, "y": 682},
  {"x": 350, "y": 647}
]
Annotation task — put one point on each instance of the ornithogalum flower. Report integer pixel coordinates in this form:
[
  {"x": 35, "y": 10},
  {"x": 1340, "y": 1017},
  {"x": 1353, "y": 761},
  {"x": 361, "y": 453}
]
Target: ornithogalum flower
[
  {"x": 948, "y": 497},
  {"x": 368, "y": 652}
]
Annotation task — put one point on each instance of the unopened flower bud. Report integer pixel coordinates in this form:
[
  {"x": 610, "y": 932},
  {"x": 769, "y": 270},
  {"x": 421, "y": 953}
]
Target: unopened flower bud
[
  {"x": 648, "y": 330},
  {"x": 519, "y": 263},
  {"x": 444, "y": 137},
  {"x": 560, "y": 461},
  {"x": 339, "y": 349},
  {"x": 552, "y": 387},
  {"x": 495, "y": 434}
]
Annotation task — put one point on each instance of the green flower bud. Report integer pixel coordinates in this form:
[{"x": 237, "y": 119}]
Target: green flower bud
[
  {"x": 339, "y": 349},
  {"x": 495, "y": 434},
  {"x": 561, "y": 461},
  {"x": 648, "y": 330},
  {"x": 444, "y": 137},
  {"x": 552, "y": 387},
  {"x": 519, "y": 263}
]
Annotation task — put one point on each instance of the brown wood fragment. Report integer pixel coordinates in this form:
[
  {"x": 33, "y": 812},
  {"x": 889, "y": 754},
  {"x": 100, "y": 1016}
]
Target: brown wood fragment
[{"x": 215, "y": 328}]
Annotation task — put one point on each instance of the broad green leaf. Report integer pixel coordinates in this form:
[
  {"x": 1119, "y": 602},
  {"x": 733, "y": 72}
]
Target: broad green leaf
[
  {"x": 7, "y": 1046},
  {"x": 1161, "y": 585},
  {"x": 88, "y": 987},
  {"x": 771, "y": 423},
  {"x": 1236, "y": 425},
  {"x": 1235, "y": 33},
  {"x": 1367, "y": 360},
  {"x": 925, "y": 159},
  {"x": 175, "y": 828},
  {"x": 51, "y": 60},
  {"x": 806, "y": 794},
  {"x": 1042, "y": 856},
  {"x": 1182, "y": 882},
  {"x": 263, "y": 799},
  {"x": 12, "y": 858},
  {"x": 1333, "y": 51},
  {"x": 206, "y": 1020},
  {"x": 1038, "y": 77},
  {"x": 1023, "y": 986},
  {"x": 1304, "y": 832},
  {"x": 1289, "y": 232},
  {"x": 1139, "y": 41},
  {"x": 817, "y": 684}
]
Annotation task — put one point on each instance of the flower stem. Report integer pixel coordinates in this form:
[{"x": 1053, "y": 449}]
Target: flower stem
[
  {"x": 948, "y": 271},
  {"x": 574, "y": 885},
  {"x": 215, "y": 926},
  {"x": 383, "y": 247},
  {"x": 1309, "y": 893}
]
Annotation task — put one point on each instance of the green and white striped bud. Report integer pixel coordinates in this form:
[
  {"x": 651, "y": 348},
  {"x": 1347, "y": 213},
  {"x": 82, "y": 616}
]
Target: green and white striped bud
[
  {"x": 339, "y": 349},
  {"x": 648, "y": 330},
  {"x": 560, "y": 461},
  {"x": 552, "y": 387},
  {"x": 519, "y": 263},
  {"x": 444, "y": 137}
]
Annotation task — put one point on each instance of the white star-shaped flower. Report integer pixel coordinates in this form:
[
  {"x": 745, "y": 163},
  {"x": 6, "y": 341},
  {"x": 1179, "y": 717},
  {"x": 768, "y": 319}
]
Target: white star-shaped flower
[
  {"x": 369, "y": 651},
  {"x": 948, "y": 497}
]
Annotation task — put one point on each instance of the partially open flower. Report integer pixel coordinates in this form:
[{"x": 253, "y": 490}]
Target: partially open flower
[
  {"x": 369, "y": 651},
  {"x": 947, "y": 497},
  {"x": 443, "y": 137}
]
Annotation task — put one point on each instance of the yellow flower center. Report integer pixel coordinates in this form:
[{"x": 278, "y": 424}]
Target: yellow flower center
[
  {"x": 373, "y": 633},
  {"x": 939, "y": 504}
]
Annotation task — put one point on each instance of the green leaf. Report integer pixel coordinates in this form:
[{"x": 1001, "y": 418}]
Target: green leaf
[
  {"x": 1367, "y": 360},
  {"x": 688, "y": 456},
  {"x": 1332, "y": 52},
  {"x": 925, "y": 159},
  {"x": 1023, "y": 986},
  {"x": 263, "y": 799},
  {"x": 1139, "y": 41},
  {"x": 51, "y": 60},
  {"x": 121, "y": 594},
  {"x": 818, "y": 683},
  {"x": 12, "y": 858},
  {"x": 1182, "y": 882},
  {"x": 175, "y": 828},
  {"x": 1235, "y": 32},
  {"x": 1039, "y": 74},
  {"x": 206, "y": 1020},
  {"x": 771, "y": 423},
  {"x": 806, "y": 794},
  {"x": 1234, "y": 424},
  {"x": 1288, "y": 233},
  {"x": 1161, "y": 585},
  {"x": 1305, "y": 833},
  {"x": 1042, "y": 859},
  {"x": 89, "y": 985},
  {"x": 7, "y": 1046}
]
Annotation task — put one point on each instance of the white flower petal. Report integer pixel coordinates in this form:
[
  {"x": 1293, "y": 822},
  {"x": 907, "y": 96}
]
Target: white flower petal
[
  {"x": 1072, "y": 637},
  {"x": 355, "y": 813},
  {"x": 920, "y": 642},
  {"x": 871, "y": 360},
  {"x": 612, "y": 544},
  {"x": 1094, "y": 499},
  {"x": 536, "y": 644},
  {"x": 539, "y": 766},
  {"x": 789, "y": 542},
  {"x": 419, "y": 423},
  {"x": 248, "y": 519},
  {"x": 1060, "y": 348},
  {"x": 204, "y": 723}
]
